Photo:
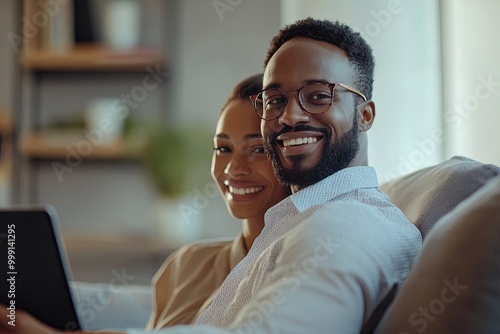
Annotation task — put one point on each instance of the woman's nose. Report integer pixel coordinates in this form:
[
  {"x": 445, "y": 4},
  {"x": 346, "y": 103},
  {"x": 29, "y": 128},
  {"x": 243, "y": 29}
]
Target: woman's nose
[{"x": 236, "y": 167}]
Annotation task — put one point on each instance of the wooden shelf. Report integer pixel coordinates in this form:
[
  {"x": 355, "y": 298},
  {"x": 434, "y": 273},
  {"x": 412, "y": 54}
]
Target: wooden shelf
[
  {"x": 5, "y": 122},
  {"x": 76, "y": 244},
  {"x": 93, "y": 57},
  {"x": 60, "y": 144}
]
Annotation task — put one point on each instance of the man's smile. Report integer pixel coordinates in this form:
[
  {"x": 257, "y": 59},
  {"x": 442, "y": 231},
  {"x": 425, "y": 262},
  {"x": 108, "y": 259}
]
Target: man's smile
[{"x": 299, "y": 142}]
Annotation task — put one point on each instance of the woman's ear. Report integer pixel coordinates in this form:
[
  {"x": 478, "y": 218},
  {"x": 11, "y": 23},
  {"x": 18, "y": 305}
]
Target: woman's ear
[{"x": 367, "y": 115}]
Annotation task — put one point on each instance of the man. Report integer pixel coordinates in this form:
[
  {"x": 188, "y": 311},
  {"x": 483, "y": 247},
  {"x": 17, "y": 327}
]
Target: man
[{"x": 331, "y": 251}]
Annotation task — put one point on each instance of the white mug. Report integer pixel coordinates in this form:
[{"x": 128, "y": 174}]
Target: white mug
[
  {"x": 122, "y": 23},
  {"x": 104, "y": 120}
]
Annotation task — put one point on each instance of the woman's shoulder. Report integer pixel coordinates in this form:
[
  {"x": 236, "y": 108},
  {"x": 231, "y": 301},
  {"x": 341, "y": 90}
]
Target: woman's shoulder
[
  {"x": 200, "y": 254},
  {"x": 204, "y": 247}
]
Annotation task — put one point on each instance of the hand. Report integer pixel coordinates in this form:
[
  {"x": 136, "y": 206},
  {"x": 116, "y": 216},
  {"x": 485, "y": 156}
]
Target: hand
[{"x": 22, "y": 322}]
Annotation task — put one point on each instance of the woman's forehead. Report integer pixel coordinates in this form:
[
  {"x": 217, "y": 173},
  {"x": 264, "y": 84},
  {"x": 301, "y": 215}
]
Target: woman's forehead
[{"x": 238, "y": 120}]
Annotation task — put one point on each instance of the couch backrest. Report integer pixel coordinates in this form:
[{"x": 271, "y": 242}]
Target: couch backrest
[{"x": 428, "y": 194}]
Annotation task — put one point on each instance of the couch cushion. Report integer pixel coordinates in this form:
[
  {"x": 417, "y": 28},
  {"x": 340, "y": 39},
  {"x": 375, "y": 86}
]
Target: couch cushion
[
  {"x": 453, "y": 286},
  {"x": 428, "y": 194}
]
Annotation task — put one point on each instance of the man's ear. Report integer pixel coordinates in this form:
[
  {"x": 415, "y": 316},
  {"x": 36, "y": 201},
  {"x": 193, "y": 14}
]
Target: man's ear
[{"x": 367, "y": 115}]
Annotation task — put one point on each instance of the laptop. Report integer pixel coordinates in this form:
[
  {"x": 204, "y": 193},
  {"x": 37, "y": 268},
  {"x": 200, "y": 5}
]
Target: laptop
[{"x": 34, "y": 264}]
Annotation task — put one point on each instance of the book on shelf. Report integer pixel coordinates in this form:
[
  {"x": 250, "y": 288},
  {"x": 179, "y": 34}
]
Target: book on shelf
[{"x": 58, "y": 34}]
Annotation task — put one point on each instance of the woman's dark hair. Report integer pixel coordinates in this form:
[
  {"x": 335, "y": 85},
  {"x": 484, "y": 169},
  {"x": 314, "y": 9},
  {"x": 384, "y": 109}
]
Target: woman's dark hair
[
  {"x": 338, "y": 34},
  {"x": 249, "y": 86}
]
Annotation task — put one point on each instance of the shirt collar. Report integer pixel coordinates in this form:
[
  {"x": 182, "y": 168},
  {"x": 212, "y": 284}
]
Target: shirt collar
[{"x": 343, "y": 181}]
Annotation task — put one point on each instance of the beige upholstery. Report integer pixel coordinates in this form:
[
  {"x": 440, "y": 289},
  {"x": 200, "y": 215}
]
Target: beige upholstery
[
  {"x": 428, "y": 194},
  {"x": 454, "y": 286}
]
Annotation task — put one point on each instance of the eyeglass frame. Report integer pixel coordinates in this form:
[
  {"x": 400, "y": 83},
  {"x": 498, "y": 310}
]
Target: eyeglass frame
[{"x": 331, "y": 85}]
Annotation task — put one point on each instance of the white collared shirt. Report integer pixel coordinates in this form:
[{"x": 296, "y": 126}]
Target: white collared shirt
[{"x": 325, "y": 258}]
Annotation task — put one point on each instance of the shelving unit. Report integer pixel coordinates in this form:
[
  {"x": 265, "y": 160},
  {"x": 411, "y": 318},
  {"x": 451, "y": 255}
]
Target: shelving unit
[
  {"x": 39, "y": 60},
  {"x": 54, "y": 81},
  {"x": 38, "y": 143}
]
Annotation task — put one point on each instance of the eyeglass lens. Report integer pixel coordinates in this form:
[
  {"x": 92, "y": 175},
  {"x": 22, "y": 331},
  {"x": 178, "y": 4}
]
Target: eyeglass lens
[{"x": 314, "y": 98}]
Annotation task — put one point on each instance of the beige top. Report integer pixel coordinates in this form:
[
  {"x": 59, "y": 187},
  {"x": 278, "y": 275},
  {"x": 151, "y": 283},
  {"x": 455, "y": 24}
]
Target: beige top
[{"x": 187, "y": 281}]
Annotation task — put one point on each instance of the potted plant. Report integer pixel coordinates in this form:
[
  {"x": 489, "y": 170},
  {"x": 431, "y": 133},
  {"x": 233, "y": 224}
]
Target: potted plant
[{"x": 177, "y": 161}]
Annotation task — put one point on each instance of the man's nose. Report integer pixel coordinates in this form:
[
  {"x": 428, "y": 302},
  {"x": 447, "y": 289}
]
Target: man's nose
[{"x": 293, "y": 113}]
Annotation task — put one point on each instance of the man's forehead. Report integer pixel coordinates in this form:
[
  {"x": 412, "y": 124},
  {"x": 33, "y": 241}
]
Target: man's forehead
[{"x": 307, "y": 59}]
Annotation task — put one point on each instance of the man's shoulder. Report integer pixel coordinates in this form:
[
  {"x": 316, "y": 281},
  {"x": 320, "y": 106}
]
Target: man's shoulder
[{"x": 370, "y": 221}]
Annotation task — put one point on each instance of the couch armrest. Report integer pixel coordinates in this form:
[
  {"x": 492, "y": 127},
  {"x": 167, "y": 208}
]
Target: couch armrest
[{"x": 104, "y": 305}]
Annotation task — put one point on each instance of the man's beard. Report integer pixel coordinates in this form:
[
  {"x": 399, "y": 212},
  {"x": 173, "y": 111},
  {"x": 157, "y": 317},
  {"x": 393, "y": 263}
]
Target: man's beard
[{"x": 335, "y": 156}]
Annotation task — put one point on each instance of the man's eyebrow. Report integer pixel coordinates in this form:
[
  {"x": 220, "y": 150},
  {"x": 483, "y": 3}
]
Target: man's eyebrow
[
  {"x": 313, "y": 81},
  {"x": 272, "y": 85},
  {"x": 309, "y": 81}
]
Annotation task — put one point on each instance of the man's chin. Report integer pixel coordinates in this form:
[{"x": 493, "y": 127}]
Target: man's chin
[
  {"x": 295, "y": 175},
  {"x": 295, "y": 170}
]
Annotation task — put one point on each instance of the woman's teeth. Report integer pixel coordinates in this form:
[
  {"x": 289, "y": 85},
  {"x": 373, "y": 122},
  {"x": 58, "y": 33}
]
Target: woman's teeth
[{"x": 243, "y": 191}]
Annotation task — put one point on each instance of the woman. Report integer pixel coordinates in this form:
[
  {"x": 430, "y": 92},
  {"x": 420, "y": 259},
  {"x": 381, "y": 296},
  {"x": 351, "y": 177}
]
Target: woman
[{"x": 188, "y": 280}]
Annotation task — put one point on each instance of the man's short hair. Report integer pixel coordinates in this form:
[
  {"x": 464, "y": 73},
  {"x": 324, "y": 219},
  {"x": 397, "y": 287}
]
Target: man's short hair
[{"x": 335, "y": 33}]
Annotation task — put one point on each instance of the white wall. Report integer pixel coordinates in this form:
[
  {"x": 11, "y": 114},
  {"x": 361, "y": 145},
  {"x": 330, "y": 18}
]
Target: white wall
[
  {"x": 217, "y": 49},
  {"x": 471, "y": 35},
  {"x": 404, "y": 35}
]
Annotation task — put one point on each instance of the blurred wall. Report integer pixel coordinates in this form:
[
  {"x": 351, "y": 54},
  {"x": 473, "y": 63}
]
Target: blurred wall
[
  {"x": 471, "y": 35},
  {"x": 216, "y": 49}
]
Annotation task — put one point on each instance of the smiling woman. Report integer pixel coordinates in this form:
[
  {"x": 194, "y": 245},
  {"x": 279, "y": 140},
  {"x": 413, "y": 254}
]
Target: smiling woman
[
  {"x": 188, "y": 280},
  {"x": 242, "y": 170}
]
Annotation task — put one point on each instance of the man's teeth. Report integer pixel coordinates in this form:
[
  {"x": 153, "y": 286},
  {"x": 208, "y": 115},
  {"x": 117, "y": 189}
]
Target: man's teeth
[
  {"x": 243, "y": 191},
  {"x": 299, "y": 141}
]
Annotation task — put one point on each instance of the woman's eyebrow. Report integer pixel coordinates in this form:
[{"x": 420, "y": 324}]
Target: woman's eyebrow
[
  {"x": 246, "y": 137},
  {"x": 253, "y": 135}
]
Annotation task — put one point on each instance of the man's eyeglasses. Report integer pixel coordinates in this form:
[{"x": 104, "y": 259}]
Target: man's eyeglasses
[{"x": 314, "y": 98}]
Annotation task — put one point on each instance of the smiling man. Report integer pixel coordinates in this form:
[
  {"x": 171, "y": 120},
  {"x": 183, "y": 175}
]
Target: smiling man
[
  {"x": 315, "y": 122},
  {"x": 330, "y": 252}
]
